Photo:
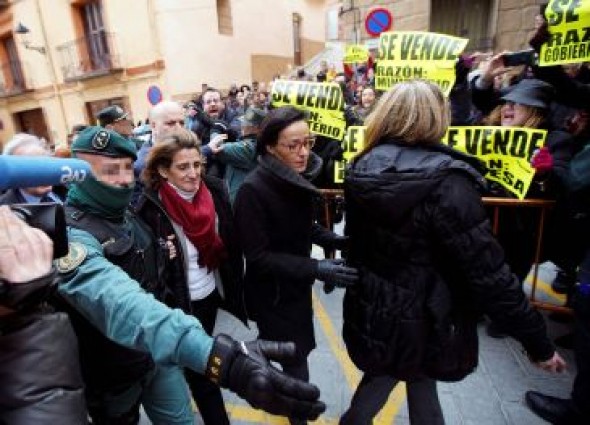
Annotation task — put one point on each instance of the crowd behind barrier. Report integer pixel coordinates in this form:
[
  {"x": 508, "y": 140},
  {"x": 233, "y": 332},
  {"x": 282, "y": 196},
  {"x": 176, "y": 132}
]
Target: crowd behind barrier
[{"x": 263, "y": 163}]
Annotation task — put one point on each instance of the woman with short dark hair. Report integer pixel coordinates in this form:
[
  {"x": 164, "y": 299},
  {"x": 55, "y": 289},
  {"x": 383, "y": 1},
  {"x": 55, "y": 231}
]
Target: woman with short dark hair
[{"x": 274, "y": 219}]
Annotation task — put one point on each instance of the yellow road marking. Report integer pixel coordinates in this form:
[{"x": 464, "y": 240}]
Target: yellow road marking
[
  {"x": 387, "y": 415},
  {"x": 545, "y": 288},
  {"x": 396, "y": 398},
  {"x": 351, "y": 373}
]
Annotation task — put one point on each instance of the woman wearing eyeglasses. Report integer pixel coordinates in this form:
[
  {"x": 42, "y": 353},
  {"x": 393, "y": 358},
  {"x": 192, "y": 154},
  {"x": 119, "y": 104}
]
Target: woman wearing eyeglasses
[
  {"x": 274, "y": 220},
  {"x": 190, "y": 216}
]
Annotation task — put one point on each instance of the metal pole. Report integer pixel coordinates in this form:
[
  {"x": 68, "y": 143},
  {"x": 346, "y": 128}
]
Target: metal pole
[{"x": 53, "y": 74}]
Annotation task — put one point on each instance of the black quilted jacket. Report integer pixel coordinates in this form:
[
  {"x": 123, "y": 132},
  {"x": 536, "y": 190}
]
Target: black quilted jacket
[{"x": 429, "y": 265}]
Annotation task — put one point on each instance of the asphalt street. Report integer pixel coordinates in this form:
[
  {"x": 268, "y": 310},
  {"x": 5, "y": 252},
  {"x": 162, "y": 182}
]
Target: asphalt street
[{"x": 493, "y": 395}]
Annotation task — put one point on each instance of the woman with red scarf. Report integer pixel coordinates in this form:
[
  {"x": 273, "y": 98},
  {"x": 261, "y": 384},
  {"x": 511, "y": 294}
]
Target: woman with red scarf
[{"x": 191, "y": 217}]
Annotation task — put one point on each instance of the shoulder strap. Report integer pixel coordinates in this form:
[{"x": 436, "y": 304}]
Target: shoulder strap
[{"x": 90, "y": 223}]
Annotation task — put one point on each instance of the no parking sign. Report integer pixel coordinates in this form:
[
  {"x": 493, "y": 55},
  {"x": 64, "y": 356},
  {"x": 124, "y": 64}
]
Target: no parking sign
[
  {"x": 378, "y": 20},
  {"x": 154, "y": 95}
]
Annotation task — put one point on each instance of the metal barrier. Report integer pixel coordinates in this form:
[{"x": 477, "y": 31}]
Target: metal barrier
[{"x": 543, "y": 205}]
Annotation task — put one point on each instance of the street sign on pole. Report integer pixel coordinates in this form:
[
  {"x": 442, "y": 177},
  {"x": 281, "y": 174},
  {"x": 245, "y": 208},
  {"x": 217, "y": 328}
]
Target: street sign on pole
[
  {"x": 378, "y": 20},
  {"x": 154, "y": 95}
]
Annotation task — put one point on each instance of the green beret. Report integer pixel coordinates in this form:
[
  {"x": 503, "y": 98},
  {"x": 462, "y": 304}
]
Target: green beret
[{"x": 100, "y": 141}]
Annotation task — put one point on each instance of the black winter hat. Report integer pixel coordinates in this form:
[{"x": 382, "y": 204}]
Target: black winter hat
[{"x": 531, "y": 92}]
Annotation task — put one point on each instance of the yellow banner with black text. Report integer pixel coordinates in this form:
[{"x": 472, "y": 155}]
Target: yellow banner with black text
[
  {"x": 356, "y": 53},
  {"x": 353, "y": 144},
  {"x": 569, "y": 29},
  {"x": 324, "y": 103},
  {"x": 408, "y": 55},
  {"x": 506, "y": 151}
]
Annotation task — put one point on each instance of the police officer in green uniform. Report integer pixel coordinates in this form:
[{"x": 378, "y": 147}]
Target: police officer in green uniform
[{"x": 132, "y": 347}]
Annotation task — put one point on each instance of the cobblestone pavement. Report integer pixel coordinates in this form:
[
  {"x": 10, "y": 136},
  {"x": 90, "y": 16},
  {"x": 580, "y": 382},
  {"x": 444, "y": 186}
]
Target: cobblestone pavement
[{"x": 493, "y": 395}]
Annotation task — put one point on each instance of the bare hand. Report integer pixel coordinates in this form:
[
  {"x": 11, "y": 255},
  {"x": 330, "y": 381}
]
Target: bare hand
[
  {"x": 216, "y": 143},
  {"x": 555, "y": 364},
  {"x": 25, "y": 252},
  {"x": 493, "y": 68}
]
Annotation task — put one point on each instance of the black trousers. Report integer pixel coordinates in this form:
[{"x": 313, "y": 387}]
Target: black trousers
[
  {"x": 206, "y": 394},
  {"x": 373, "y": 392}
]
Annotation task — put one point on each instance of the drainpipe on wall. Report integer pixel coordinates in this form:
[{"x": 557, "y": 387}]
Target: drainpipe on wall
[{"x": 53, "y": 76}]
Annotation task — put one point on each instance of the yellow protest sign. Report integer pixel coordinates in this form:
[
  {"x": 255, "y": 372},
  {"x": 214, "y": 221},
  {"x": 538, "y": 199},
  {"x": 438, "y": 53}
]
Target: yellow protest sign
[
  {"x": 356, "y": 53},
  {"x": 353, "y": 144},
  {"x": 507, "y": 152},
  {"x": 323, "y": 101},
  {"x": 569, "y": 28},
  {"x": 407, "y": 55}
]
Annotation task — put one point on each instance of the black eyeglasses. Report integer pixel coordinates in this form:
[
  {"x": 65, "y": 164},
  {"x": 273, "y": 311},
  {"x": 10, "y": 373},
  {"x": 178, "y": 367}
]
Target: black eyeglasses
[{"x": 296, "y": 145}]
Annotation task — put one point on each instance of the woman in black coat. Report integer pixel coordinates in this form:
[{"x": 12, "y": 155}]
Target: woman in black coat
[
  {"x": 428, "y": 261},
  {"x": 274, "y": 219},
  {"x": 191, "y": 217}
]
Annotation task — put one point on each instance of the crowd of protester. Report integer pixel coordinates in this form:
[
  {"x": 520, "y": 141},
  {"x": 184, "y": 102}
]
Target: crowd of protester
[{"x": 179, "y": 203}]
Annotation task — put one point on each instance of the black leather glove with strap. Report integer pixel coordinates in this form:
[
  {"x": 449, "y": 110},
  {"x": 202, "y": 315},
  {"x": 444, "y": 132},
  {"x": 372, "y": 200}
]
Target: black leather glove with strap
[
  {"x": 336, "y": 273},
  {"x": 244, "y": 368}
]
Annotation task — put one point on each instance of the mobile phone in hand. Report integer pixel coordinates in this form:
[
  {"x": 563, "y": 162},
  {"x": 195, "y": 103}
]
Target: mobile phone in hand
[{"x": 523, "y": 57}]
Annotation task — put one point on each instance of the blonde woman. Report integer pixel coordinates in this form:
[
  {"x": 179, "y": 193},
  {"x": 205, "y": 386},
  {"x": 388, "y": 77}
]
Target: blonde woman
[{"x": 428, "y": 261}]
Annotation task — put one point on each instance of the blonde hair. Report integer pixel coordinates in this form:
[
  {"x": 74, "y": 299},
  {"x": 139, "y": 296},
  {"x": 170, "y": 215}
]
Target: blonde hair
[
  {"x": 413, "y": 112},
  {"x": 535, "y": 117}
]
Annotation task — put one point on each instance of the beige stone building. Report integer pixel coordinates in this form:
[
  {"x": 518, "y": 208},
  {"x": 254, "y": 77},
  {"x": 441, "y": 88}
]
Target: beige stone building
[
  {"x": 63, "y": 60},
  {"x": 489, "y": 24}
]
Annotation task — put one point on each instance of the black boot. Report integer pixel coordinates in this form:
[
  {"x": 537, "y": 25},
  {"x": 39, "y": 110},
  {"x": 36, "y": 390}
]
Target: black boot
[{"x": 552, "y": 409}]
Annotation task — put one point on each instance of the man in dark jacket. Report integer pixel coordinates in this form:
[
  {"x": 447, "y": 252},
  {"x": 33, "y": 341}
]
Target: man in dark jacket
[{"x": 239, "y": 157}]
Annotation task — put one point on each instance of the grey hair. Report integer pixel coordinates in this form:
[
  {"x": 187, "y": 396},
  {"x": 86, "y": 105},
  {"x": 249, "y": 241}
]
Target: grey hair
[
  {"x": 162, "y": 107},
  {"x": 22, "y": 140}
]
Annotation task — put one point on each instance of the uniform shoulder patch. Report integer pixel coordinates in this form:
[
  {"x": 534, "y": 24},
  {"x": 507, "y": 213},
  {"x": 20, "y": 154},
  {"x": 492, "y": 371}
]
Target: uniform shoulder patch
[{"x": 76, "y": 255}]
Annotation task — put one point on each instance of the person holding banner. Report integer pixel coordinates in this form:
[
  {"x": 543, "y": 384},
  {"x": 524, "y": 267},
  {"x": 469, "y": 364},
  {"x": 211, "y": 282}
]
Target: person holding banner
[
  {"x": 274, "y": 220},
  {"x": 428, "y": 261},
  {"x": 527, "y": 105}
]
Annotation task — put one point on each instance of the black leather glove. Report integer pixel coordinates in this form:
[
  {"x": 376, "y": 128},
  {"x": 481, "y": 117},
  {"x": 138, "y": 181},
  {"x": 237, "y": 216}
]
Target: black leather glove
[
  {"x": 336, "y": 273},
  {"x": 244, "y": 368}
]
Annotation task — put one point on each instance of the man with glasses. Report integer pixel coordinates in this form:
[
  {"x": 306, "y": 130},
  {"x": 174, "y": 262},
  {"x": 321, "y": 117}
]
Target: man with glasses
[{"x": 215, "y": 120}]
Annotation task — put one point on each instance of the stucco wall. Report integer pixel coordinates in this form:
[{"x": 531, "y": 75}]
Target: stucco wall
[
  {"x": 174, "y": 44},
  {"x": 196, "y": 53},
  {"x": 515, "y": 23}
]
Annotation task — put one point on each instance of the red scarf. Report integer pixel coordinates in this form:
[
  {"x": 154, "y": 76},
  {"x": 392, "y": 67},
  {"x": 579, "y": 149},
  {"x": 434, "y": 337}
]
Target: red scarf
[{"x": 197, "y": 219}]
